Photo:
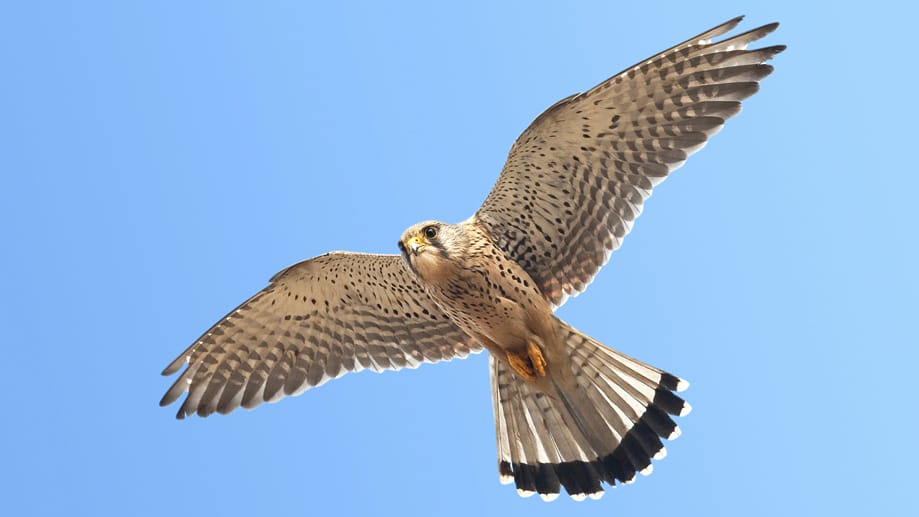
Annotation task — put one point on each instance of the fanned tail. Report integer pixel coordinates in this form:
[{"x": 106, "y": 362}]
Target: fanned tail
[{"x": 602, "y": 423}]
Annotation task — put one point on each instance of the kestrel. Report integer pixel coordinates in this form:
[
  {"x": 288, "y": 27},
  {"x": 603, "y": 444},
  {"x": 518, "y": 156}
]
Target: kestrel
[{"x": 569, "y": 411}]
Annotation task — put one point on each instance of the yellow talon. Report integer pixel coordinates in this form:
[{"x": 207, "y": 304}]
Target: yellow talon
[
  {"x": 521, "y": 365},
  {"x": 536, "y": 359},
  {"x": 531, "y": 365}
]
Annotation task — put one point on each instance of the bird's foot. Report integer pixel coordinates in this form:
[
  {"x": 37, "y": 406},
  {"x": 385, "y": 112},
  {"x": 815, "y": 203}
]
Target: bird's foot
[
  {"x": 537, "y": 359},
  {"x": 530, "y": 365}
]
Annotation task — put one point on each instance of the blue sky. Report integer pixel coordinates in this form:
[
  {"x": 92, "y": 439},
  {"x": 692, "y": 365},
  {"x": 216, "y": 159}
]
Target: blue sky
[{"x": 160, "y": 161}]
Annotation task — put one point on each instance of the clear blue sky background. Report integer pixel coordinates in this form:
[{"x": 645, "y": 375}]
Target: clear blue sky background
[{"x": 161, "y": 160}]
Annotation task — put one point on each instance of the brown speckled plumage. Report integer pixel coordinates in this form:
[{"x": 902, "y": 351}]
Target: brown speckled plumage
[
  {"x": 301, "y": 331},
  {"x": 569, "y": 411}
]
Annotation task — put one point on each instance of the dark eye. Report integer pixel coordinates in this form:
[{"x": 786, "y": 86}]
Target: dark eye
[{"x": 430, "y": 232}]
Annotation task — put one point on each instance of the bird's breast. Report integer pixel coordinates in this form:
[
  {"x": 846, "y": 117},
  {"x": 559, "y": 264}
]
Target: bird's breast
[{"x": 490, "y": 298}]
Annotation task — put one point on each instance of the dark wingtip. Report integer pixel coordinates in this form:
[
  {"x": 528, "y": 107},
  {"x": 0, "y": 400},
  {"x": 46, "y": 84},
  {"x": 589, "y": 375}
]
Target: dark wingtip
[
  {"x": 175, "y": 365},
  {"x": 778, "y": 49},
  {"x": 769, "y": 27},
  {"x": 730, "y": 24}
]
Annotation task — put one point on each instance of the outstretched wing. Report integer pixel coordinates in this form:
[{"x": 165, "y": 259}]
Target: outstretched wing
[
  {"x": 316, "y": 321},
  {"x": 577, "y": 178}
]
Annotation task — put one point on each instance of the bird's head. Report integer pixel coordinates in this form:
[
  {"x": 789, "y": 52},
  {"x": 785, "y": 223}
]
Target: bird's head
[{"x": 427, "y": 247}]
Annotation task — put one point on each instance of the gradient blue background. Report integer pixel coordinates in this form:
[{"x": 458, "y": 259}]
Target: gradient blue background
[{"x": 161, "y": 160}]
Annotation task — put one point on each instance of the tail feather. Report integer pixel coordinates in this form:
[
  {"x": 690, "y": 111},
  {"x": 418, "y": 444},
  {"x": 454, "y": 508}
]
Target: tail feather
[
  {"x": 539, "y": 462},
  {"x": 601, "y": 422}
]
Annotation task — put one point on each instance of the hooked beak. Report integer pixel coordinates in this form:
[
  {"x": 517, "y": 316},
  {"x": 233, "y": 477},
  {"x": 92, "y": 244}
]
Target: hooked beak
[
  {"x": 412, "y": 248},
  {"x": 416, "y": 245}
]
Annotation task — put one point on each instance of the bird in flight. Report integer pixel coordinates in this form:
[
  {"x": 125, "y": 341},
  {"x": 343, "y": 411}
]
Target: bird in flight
[{"x": 569, "y": 411}]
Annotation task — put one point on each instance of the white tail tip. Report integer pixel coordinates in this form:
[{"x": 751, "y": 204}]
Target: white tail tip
[{"x": 675, "y": 434}]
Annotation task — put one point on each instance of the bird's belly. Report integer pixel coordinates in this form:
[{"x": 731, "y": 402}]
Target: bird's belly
[{"x": 483, "y": 309}]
